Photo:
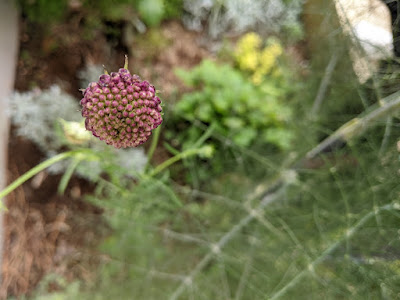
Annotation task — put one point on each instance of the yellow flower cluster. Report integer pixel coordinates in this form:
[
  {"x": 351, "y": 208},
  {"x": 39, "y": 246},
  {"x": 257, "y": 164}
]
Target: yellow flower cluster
[{"x": 259, "y": 61}]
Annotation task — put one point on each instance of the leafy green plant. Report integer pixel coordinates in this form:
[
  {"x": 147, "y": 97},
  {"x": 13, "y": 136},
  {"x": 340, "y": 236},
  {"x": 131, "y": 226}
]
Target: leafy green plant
[{"x": 238, "y": 109}]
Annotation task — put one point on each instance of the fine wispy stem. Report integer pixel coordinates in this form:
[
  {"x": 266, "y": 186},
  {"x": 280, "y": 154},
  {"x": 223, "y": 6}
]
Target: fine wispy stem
[
  {"x": 216, "y": 248},
  {"x": 353, "y": 128},
  {"x": 324, "y": 84},
  {"x": 386, "y": 136},
  {"x": 349, "y": 234}
]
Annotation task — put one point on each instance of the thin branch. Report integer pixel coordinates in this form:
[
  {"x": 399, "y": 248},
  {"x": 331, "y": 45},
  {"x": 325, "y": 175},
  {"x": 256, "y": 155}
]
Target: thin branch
[
  {"x": 349, "y": 234},
  {"x": 353, "y": 128},
  {"x": 324, "y": 84},
  {"x": 215, "y": 249}
]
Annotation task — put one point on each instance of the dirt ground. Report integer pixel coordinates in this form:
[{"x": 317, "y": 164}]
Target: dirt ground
[{"x": 50, "y": 233}]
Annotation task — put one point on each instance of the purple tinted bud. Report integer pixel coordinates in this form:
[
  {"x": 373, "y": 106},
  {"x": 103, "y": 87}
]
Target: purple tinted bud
[
  {"x": 115, "y": 77},
  {"x": 145, "y": 85},
  {"x": 118, "y": 107},
  {"x": 120, "y": 85},
  {"x": 115, "y": 90},
  {"x": 104, "y": 80}
]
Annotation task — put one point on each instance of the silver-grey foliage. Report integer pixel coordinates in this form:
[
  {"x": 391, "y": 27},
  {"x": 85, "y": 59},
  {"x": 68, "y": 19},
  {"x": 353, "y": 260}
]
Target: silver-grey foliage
[
  {"x": 35, "y": 114},
  {"x": 222, "y": 16}
]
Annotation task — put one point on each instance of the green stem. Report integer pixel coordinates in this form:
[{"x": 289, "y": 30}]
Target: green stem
[
  {"x": 35, "y": 170},
  {"x": 174, "y": 159},
  {"x": 153, "y": 146},
  {"x": 205, "y": 136},
  {"x": 349, "y": 234},
  {"x": 67, "y": 176}
]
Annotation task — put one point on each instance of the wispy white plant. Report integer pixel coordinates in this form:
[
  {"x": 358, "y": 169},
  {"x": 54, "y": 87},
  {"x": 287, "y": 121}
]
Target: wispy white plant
[
  {"x": 241, "y": 15},
  {"x": 35, "y": 114}
]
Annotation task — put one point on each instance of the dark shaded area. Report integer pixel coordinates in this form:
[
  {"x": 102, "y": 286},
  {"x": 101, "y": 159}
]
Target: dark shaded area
[{"x": 394, "y": 7}]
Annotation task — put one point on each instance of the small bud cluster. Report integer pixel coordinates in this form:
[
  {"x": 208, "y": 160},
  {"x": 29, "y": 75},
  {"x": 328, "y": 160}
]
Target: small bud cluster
[{"x": 120, "y": 109}]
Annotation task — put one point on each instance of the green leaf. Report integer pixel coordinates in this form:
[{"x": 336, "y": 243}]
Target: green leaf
[
  {"x": 151, "y": 11},
  {"x": 280, "y": 137},
  {"x": 245, "y": 136},
  {"x": 233, "y": 123}
]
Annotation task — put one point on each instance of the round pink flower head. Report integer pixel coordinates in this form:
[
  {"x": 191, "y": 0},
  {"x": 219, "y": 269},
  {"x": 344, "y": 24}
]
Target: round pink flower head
[{"x": 121, "y": 109}]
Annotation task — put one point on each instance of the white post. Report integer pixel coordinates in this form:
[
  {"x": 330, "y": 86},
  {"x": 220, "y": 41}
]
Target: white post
[{"x": 8, "y": 60}]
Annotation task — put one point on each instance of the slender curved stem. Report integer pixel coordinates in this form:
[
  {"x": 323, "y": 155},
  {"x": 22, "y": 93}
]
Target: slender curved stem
[
  {"x": 32, "y": 172},
  {"x": 348, "y": 234},
  {"x": 67, "y": 175},
  {"x": 153, "y": 146},
  {"x": 174, "y": 159}
]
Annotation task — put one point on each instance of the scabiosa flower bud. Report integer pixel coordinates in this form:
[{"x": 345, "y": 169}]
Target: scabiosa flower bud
[{"x": 120, "y": 109}]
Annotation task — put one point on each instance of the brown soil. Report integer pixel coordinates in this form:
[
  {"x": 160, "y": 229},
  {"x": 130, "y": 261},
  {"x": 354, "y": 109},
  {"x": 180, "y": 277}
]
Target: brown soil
[{"x": 50, "y": 233}]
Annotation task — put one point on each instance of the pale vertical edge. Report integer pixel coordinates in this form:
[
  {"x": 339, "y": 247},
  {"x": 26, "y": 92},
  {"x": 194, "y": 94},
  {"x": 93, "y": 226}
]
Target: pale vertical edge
[{"x": 8, "y": 59}]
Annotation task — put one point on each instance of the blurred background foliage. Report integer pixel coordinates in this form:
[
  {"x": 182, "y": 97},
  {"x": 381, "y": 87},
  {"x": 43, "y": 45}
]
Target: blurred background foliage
[{"x": 226, "y": 211}]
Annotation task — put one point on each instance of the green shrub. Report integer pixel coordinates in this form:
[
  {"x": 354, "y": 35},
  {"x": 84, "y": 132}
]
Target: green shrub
[{"x": 245, "y": 113}]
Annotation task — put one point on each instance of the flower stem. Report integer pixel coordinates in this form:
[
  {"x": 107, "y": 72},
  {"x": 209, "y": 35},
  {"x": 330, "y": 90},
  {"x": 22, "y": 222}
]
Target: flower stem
[
  {"x": 174, "y": 159},
  {"x": 35, "y": 170},
  {"x": 67, "y": 175},
  {"x": 153, "y": 146}
]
